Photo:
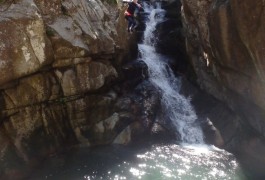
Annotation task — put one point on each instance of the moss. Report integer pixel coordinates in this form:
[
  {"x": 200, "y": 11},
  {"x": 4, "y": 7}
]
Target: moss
[
  {"x": 64, "y": 10},
  {"x": 49, "y": 32},
  {"x": 111, "y": 2}
]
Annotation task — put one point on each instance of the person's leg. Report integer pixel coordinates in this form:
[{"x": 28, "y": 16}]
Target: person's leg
[
  {"x": 133, "y": 24},
  {"x": 130, "y": 23}
]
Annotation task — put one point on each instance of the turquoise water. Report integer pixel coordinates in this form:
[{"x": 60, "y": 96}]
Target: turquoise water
[{"x": 158, "y": 162}]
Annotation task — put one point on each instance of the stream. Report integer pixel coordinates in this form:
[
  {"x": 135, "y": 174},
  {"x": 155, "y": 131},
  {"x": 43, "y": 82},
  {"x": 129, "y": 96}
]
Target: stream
[{"x": 189, "y": 159}]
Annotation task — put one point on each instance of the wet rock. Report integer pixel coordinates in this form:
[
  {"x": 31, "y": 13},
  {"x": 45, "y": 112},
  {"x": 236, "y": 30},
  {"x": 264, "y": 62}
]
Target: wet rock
[
  {"x": 124, "y": 137},
  {"x": 142, "y": 105},
  {"x": 124, "y": 104},
  {"x": 212, "y": 134},
  {"x": 251, "y": 156},
  {"x": 225, "y": 43},
  {"x": 103, "y": 132},
  {"x": 134, "y": 72},
  {"x": 219, "y": 123},
  {"x": 148, "y": 104},
  {"x": 134, "y": 69},
  {"x": 226, "y": 60}
]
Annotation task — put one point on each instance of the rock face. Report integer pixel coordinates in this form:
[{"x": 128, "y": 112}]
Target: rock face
[
  {"x": 225, "y": 42},
  {"x": 24, "y": 45},
  {"x": 58, "y": 62}
]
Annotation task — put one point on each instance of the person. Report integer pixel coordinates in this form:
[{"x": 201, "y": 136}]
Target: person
[{"x": 129, "y": 14}]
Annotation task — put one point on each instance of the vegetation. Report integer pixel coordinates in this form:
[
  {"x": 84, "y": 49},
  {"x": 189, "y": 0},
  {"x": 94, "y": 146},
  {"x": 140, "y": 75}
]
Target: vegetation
[
  {"x": 50, "y": 32},
  {"x": 64, "y": 10},
  {"x": 111, "y": 2}
]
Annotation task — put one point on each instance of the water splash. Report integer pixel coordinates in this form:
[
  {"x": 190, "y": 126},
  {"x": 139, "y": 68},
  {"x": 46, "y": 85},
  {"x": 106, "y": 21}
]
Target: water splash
[{"x": 175, "y": 106}]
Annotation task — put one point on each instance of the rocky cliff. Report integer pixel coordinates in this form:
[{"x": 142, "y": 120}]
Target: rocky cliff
[
  {"x": 58, "y": 62},
  {"x": 225, "y": 42}
]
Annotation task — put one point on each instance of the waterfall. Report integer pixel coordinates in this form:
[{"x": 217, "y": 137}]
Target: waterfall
[{"x": 175, "y": 106}]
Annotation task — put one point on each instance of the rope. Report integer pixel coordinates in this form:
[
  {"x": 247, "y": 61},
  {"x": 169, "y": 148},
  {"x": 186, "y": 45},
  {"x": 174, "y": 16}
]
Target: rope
[{"x": 60, "y": 100}]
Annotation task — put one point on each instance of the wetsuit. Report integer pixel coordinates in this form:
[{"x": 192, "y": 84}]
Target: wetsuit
[{"x": 129, "y": 15}]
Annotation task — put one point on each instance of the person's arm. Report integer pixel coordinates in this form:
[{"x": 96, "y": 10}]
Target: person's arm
[{"x": 139, "y": 5}]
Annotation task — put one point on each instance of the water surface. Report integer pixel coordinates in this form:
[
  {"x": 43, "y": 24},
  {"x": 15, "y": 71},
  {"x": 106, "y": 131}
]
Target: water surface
[{"x": 156, "y": 162}]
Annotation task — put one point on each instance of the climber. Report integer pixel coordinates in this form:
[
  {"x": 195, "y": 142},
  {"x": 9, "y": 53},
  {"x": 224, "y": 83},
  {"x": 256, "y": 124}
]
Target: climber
[{"x": 129, "y": 14}]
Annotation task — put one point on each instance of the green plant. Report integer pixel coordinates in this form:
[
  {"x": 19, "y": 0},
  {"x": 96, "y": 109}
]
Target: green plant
[
  {"x": 49, "y": 32},
  {"x": 110, "y": 1}
]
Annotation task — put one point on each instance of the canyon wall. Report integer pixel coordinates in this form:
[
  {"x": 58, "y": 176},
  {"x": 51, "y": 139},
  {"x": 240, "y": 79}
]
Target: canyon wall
[
  {"x": 59, "y": 62},
  {"x": 225, "y": 42},
  {"x": 60, "y": 76}
]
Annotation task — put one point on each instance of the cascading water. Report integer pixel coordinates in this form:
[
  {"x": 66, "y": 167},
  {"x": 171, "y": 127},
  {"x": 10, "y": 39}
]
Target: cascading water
[
  {"x": 161, "y": 162},
  {"x": 175, "y": 106}
]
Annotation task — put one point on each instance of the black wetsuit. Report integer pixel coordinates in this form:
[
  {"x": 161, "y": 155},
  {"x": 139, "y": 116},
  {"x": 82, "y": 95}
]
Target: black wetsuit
[{"x": 129, "y": 15}]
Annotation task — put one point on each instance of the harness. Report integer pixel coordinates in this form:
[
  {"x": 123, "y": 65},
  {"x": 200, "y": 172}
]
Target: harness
[
  {"x": 127, "y": 13},
  {"x": 131, "y": 8}
]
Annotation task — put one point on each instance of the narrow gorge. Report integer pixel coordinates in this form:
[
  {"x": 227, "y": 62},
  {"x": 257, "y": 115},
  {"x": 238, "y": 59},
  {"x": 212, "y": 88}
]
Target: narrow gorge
[{"x": 81, "y": 98}]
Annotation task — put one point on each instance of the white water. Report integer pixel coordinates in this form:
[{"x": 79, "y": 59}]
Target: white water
[{"x": 175, "y": 106}]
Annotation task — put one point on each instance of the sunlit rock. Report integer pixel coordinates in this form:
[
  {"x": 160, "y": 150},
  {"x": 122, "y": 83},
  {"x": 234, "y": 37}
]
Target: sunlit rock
[
  {"x": 24, "y": 47},
  {"x": 82, "y": 28},
  {"x": 54, "y": 55},
  {"x": 32, "y": 90},
  {"x": 85, "y": 77}
]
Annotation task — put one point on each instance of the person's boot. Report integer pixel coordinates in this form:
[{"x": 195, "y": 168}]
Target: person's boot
[{"x": 131, "y": 30}]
